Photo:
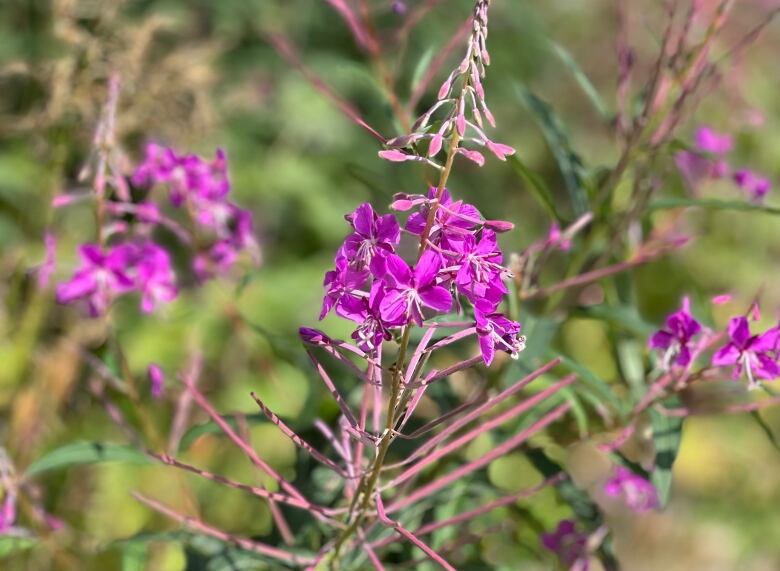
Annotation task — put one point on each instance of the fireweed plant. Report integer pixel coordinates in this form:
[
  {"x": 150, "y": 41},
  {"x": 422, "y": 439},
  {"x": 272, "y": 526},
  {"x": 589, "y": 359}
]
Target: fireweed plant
[{"x": 416, "y": 278}]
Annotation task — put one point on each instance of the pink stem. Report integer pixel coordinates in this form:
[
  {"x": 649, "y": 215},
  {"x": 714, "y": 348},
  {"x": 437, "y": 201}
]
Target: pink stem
[
  {"x": 290, "y": 433},
  {"x": 288, "y": 53},
  {"x": 471, "y": 514},
  {"x": 276, "y": 513},
  {"x": 248, "y": 450},
  {"x": 183, "y": 405},
  {"x": 483, "y": 460},
  {"x": 258, "y": 491},
  {"x": 484, "y": 407},
  {"x": 483, "y": 427},
  {"x": 242, "y": 542},
  {"x": 380, "y": 510},
  {"x": 333, "y": 391}
]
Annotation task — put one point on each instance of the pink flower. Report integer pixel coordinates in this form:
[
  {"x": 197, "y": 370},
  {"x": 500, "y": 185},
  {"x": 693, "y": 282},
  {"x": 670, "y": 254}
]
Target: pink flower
[{"x": 639, "y": 494}]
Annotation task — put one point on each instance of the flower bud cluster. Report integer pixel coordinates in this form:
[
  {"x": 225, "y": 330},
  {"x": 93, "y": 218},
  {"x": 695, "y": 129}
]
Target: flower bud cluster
[{"x": 457, "y": 116}]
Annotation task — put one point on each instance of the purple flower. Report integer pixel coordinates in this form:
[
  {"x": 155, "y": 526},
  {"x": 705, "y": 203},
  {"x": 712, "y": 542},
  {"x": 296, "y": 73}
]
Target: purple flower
[
  {"x": 407, "y": 290},
  {"x": 188, "y": 176},
  {"x": 757, "y": 355},
  {"x": 675, "y": 339},
  {"x": 639, "y": 494},
  {"x": 100, "y": 278},
  {"x": 156, "y": 380},
  {"x": 342, "y": 284},
  {"x": 496, "y": 331},
  {"x": 453, "y": 220},
  {"x": 374, "y": 235},
  {"x": 480, "y": 276},
  {"x": 155, "y": 277},
  {"x": 755, "y": 185},
  {"x": 713, "y": 142},
  {"x": 570, "y": 545},
  {"x": 372, "y": 330}
]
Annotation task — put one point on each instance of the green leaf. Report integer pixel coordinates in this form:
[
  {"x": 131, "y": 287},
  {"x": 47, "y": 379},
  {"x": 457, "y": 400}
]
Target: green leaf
[
  {"x": 762, "y": 424},
  {"x": 536, "y": 185},
  {"x": 568, "y": 162},
  {"x": 10, "y": 544},
  {"x": 79, "y": 453},
  {"x": 211, "y": 427},
  {"x": 134, "y": 556},
  {"x": 582, "y": 79},
  {"x": 592, "y": 381},
  {"x": 667, "y": 433},
  {"x": 420, "y": 68},
  {"x": 625, "y": 316},
  {"x": 713, "y": 204}
]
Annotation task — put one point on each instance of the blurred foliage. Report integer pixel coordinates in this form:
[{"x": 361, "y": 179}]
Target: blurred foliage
[{"x": 201, "y": 74}]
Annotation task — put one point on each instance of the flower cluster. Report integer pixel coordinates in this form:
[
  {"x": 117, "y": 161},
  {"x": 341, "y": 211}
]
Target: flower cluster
[
  {"x": 460, "y": 106},
  {"x": 105, "y": 274},
  {"x": 638, "y": 494},
  {"x": 708, "y": 161},
  {"x": 755, "y": 355},
  {"x": 127, "y": 259},
  {"x": 202, "y": 187},
  {"x": 375, "y": 287}
]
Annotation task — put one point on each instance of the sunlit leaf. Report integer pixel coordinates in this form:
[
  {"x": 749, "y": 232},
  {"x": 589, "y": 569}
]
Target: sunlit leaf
[
  {"x": 568, "y": 161},
  {"x": 667, "y": 432},
  {"x": 80, "y": 453}
]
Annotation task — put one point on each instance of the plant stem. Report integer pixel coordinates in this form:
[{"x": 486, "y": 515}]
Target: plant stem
[{"x": 365, "y": 489}]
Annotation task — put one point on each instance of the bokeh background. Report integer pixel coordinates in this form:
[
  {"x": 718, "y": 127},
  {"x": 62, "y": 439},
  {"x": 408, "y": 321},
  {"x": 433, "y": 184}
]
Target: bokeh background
[{"x": 200, "y": 75}]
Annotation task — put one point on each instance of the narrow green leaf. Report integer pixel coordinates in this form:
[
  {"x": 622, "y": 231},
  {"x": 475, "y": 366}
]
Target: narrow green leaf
[
  {"x": 568, "y": 161},
  {"x": 577, "y": 410},
  {"x": 536, "y": 185},
  {"x": 79, "y": 453},
  {"x": 592, "y": 381},
  {"x": 624, "y": 316},
  {"x": 713, "y": 204},
  {"x": 582, "y": 79},
  {"x": 667, "y": 433},
  {"x": 420, "y": 68},
  {"x": 630, "y": 358},
  {"x": 765, "y": 428}
]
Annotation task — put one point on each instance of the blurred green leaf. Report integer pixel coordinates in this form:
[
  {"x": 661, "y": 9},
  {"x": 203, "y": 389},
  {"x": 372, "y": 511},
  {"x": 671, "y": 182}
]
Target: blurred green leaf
[
  {"x": 625, "y": 316},
  {"x": 79, "y": 453},
  {"x": 536, "y": 185},
  {"x": 712, "y": 203},
  {"x": 667, "y": 432},
  {"x": 10, "y": 544},
  {"x": 134, "y": 556},
  {"x": 211, "y": 427},
  {"x": 582, "y": 79},
  {"x": 568, "y": 161},
  {"x": 421, "y": 67},
  {"x": 765, "y": 428},
  {"x": 598, "y": 385}
]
